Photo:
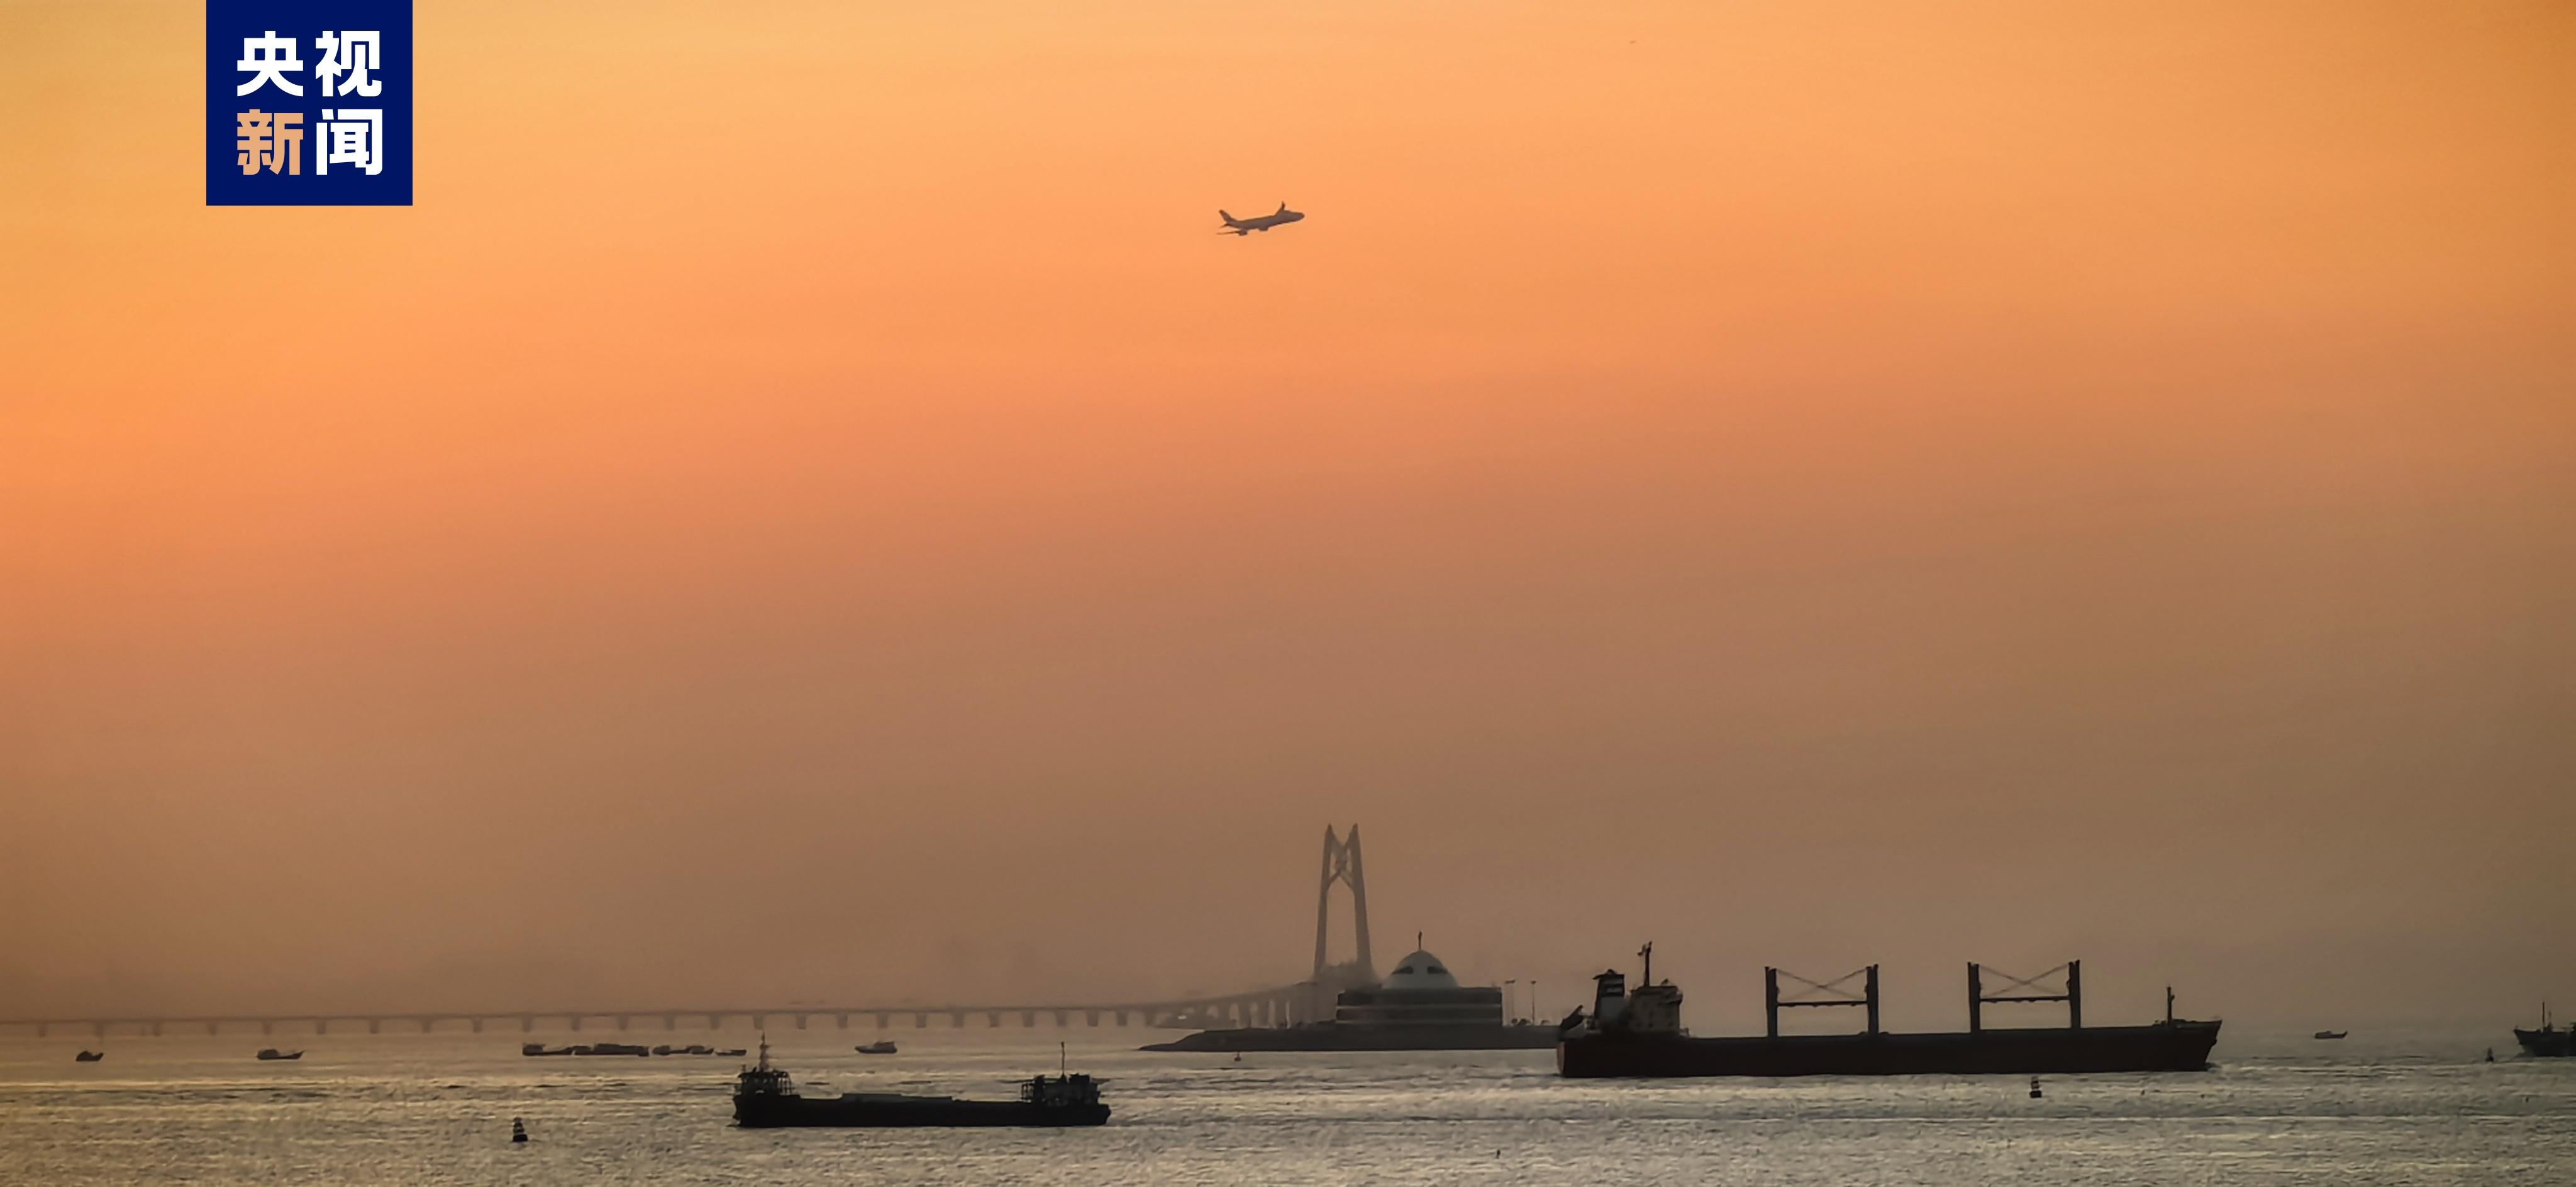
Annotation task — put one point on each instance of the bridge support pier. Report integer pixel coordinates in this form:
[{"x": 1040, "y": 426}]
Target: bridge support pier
[
  {"x": 1029, "y": 1019},
  {"x": 211, "y": 1028},
  {"x": 715, "y": 1022},
  {"x": 1122, "y": 1017},
  {"x": 920, "y": 1020},
  {"x": 800, "y": 1022},
  {"x": 425, "y": 1024},
  {"x": 843, "y": 1020},
  {"x": 883, "y": 1019},
  {"x": 1091, "y": 1017},
  {"x": 670, "y": 1022},
  {"x": 527, "y": 1023},
  {"x": 1062, "y": 1018},
  {"x": 375, "y": 1026},
  {"x": 478, "y": 1026}
]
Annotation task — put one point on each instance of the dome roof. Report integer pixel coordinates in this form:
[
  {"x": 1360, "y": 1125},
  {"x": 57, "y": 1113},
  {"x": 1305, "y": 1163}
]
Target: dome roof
[{"x": 1421, "y": 970}]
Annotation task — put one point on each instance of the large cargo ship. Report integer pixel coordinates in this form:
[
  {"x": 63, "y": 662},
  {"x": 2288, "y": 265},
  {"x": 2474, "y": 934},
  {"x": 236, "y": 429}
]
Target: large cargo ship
[
  {"x": 1640, "y": 1034},
  {"x": 765, "y": 1097},
  {"x": 1419, "y": 1007}
]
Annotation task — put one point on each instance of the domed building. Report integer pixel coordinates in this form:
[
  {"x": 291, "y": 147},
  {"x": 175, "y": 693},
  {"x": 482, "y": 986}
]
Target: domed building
[{"x": 1420, "y": 992}]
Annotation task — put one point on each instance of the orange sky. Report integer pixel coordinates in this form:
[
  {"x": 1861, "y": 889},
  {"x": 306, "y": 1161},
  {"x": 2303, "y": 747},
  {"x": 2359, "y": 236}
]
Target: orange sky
[{"x": 1914, "y": 482}]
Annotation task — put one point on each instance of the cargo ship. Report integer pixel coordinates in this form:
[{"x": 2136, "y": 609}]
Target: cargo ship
[
  {"x": 2551, "y": 1041},
  {"x": 1418, "y": 1007},
  {"x": 1640, "y": 1034},
  {"x": 765, "y": 1097}
]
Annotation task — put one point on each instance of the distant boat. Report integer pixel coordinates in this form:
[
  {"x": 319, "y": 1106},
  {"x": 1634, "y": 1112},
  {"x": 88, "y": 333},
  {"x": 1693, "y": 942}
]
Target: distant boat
[
  {"x": 274, "y": 1053},
  {"x": 613, "y": 1049},
  {"x": 765, "y": 1097},
  {"x": 542, "y": 1049},
  {"x": 2550, "y": 1041},
  {"x": 89, "y": 1057},
  {"x": 879, "y": 1047},
  {"x": 731, "y": 1052},
  {"x": 2330, "y": 1034}
]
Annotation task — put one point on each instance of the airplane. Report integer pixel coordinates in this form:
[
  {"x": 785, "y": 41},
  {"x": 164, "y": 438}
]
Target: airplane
[{"x": 1246, "y": 226}]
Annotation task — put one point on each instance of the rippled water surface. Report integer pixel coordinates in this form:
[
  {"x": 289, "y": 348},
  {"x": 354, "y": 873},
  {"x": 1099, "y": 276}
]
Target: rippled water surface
[{"x": 436, "y": 1109}]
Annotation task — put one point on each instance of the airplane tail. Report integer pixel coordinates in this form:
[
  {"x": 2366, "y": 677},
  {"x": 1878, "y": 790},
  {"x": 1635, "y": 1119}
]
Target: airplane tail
[{"x": 1229, "y": 219}]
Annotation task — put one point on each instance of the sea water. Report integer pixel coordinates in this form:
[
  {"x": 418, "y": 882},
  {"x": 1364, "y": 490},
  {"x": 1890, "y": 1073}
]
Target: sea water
[{"x": 436, "y": 1109}]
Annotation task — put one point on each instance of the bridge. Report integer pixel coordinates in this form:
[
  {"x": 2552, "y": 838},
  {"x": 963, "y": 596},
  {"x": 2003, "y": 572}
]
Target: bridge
[{"x": 1305, "y": 1001}]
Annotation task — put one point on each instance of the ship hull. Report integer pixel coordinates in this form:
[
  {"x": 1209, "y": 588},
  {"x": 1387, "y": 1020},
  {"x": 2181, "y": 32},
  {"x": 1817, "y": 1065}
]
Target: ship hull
[
  {"x": 1335, "y": 1036},
  {"x": 2173, "y": 1047},
  {"x": 2547, "y": 1044},
  {"x": 866, "y": 1112}
]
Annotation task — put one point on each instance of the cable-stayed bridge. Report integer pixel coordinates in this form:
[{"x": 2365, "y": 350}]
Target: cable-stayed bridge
[{"x": 1282, "y": 1005}]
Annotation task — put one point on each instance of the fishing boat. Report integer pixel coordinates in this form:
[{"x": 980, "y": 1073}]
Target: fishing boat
[
  {"x": 2551, "y": 1041},
  {"x": 89, "y": 1057},
  {"x": 268, "y": 1053},
  {"x": 765, "y": 1097},
  {"x": 2330, "y": 1034},
  {"x": 879, "y": 1047}
]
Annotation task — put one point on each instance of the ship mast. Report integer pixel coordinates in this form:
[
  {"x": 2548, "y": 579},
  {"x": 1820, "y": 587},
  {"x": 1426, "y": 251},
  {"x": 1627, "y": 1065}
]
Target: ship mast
[{"x": 1648, "y": 954}]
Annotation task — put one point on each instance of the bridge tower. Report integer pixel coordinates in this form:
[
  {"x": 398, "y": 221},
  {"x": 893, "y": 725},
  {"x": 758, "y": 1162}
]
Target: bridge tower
[{"x": 1341, "y": 864}]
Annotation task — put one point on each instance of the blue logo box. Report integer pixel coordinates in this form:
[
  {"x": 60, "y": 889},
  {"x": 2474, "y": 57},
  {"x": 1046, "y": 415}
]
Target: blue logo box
[{"x": 308, "y": 102}]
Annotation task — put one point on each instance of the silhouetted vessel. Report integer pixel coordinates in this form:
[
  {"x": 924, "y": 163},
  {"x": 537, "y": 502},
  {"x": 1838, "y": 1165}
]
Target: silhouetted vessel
[
  {"x": 879, "y": 1047},
  {"x": 1418, "y": 1007},
  {"x": 2551, "y": 1041},
  {"x": 2330, "y": 1034},
  {"x": 1640, "y": 1034},
  {"x": 272, "y": 1053},
  {"x": 89, "y": 1057},
  {"x": 764, "y": 1097}
]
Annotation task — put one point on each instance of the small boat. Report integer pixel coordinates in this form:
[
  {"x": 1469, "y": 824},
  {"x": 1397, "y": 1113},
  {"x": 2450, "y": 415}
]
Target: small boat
[
  {"x": 764, "y": 1097},
  {"x": 613, "y": 1049},
  {"x": 89, "y": 1057},
  {"x": 2330, "y": 1034},
  {"x": 733, "y": 1053},
  {"x": 274, "y": 1053},
  {"x": 2551, "y": 1041},
  {"x": 518, "y": 1131},
  {"x": 879, "y": 1047},
  {"x": 542, "y": 1049}
]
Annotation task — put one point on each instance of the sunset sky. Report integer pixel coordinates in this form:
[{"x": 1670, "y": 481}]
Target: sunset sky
[{"x": 803, "y": 506}]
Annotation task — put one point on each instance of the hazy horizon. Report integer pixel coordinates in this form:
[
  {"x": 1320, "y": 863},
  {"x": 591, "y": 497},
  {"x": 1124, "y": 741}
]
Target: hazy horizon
[{"x": 805, "y": 508}]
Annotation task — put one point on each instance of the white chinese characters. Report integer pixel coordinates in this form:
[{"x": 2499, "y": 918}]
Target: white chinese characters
[
  {"x": 267, "y": 57},
  {"x": 349, "y": 62},
  {"x": 355, "y": 52},
  {"x": 351, "y": 136}
]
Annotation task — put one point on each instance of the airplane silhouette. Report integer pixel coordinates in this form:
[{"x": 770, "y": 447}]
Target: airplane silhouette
[{"x": 1246, "y": 226}]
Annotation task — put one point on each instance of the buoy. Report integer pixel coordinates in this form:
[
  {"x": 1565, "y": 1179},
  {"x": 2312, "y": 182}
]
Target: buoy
[
  {"x": 2034, "y": 1088},
  {"x": 518, "y": 1130}
]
